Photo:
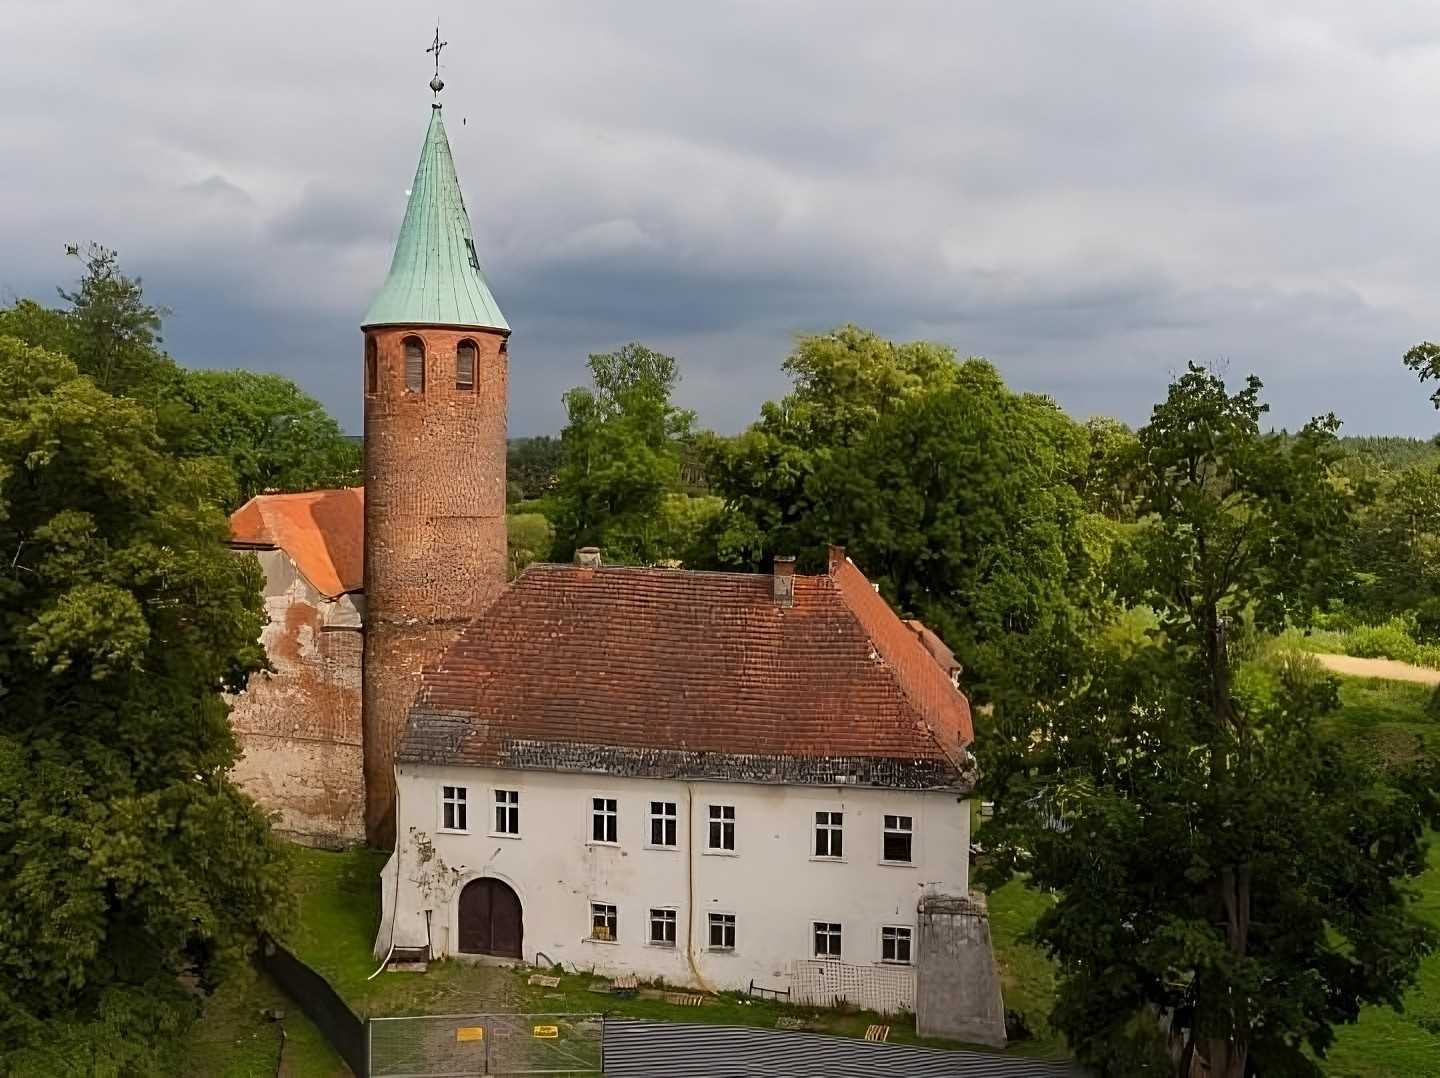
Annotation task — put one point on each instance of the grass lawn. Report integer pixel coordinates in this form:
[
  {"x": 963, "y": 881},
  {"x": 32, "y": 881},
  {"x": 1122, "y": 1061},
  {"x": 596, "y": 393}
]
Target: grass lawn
[{"x": 339, "y": 910}]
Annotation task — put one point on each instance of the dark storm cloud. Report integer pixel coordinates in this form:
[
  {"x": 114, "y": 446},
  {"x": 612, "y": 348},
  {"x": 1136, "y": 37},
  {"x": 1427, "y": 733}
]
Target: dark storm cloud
[{"x": 1090, "y": 196}]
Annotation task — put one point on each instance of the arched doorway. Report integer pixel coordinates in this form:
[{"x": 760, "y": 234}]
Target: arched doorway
[{"x": 490, "y": 921}]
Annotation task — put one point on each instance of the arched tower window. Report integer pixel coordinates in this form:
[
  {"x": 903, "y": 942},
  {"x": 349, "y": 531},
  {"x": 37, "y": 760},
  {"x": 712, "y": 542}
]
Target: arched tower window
[
  {"x": 372, "y": 366},
  {"x": 465, "y": 354},
  {"x": 414, "y": 365}
]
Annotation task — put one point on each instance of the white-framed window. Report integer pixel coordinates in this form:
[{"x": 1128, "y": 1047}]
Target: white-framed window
[
  {"x": 452, "y": 808},
  {"x": 604, "y": 819},
  {"x": 898, "y": 840},
  {"x": 827, "y": 939},
  {"x": 507, "y": 812},
  {"x": 829, "y": 834},
  {"x": 662, "y": 927},
  {"x": 722, "y": 932},
  {"x": 722, "y": 828},
  {"x": 895, "y": 944},
  {"x": 604, "y": 924},
  {"x": 663, "y": 824}
]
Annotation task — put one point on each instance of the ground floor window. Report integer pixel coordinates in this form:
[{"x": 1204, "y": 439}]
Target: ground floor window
[
  {"x": 895, "y": 944},
  {"x": 722, "y": 931},
  {"x": 603, "y": 922},
  {"x": 827, "y": 939},
  {"x": 662, "y": 928}
]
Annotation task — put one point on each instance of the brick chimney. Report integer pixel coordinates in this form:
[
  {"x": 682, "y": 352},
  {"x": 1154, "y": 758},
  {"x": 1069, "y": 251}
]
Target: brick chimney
[
  {"x": 784, "y": 579},
  {"x": 588, "y": 557}
]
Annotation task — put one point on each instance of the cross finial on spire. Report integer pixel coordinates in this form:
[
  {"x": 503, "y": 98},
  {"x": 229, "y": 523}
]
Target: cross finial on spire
[{"x": 437, "y": 84}]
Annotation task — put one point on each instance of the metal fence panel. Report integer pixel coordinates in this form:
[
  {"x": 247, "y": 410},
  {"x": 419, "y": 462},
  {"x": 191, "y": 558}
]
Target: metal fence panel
[
  {"x": 456, "y": 1045},
  {"x": 635, "y": 1048}
]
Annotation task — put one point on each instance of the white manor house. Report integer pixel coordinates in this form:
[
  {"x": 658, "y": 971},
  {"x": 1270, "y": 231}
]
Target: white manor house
[{"x": 718, "y": 780}]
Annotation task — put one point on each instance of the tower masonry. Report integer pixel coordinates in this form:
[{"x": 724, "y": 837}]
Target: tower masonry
[{"x": 435, "y": 380}]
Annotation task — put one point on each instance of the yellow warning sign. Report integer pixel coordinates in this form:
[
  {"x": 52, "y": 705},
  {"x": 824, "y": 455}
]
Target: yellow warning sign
[
  {"x": 470, "y": 1033},
  {"x": 547, "y": 1032}
]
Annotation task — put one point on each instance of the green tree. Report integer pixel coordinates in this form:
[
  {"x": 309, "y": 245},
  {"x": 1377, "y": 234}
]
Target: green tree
[
  {"x": 1218, "y": 863},
  {"x": 1395, "y": 543},
  {"x": 842, "y": 383},
  {"x": 534, "y": 463},
  {"x": 271, "y": 435},
  {"x": 127, "y": 859},
  {"x": 114, "y": 332},
  {"x": 623, "y": 445},
  {"x": 529, "y": 538}
]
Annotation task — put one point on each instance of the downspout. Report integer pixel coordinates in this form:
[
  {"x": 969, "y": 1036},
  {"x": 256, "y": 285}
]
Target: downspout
[
  {"x": 395, "y": 902},
  {"x": 690, "y": 890}
]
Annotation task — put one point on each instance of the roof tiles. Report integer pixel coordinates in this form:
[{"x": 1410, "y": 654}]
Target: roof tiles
[{"x": 323, "y": 531}]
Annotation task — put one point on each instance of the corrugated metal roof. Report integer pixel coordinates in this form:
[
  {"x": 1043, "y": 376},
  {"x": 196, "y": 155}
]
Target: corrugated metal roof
[{"x": 435, "y": 277}]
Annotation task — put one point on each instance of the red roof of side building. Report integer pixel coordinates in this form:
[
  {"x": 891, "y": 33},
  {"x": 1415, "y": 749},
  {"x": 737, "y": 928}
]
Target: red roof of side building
[
  {"x": 675, "y": 674},
  {"x": 323, "y": 531}
]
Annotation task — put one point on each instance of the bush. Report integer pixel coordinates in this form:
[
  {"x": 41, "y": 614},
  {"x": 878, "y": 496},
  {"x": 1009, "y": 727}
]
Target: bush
[
  {"x": 1388, "y": 641},
  {"x": 1427, "y": 621}
]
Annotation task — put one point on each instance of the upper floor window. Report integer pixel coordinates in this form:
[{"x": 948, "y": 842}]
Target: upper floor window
[
  {"x": 827, "y": 939},
  {"x": 604, "y": 820},
  {"x": 829, "y": 834},
  {"x": 372, "y": 366},
  {"x": 898, "y": 839},
  {"x": 722, "y": 827},
  {"x": 452, "y": 808},
  {"x": 414, "y": 365},
  {"x": 663, "y": 823},
  {"x": 465, "y": 354},
  {"x": 507, "y": 812},
  {"x": 895, "y": 944}
]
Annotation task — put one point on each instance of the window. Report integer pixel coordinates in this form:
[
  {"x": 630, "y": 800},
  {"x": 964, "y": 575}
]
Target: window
[
  {"x": 662, "y": 928},
  {"x": 898, "y": 834},
  {"x": 722, "y": 931},
  {"x": 414, "y": 365},
  {"x": 507, "y": 812},
  {"x": 604, "y": 820},
  {"x": 895, "y": 944},
  {"x": 603, "y": 922},
  {"x": 829, "y": 837},
  {"x": 662, "y": 823},
  {"x": 372, "y": 366},
  {"x": 465, "y": 365},
  {"x": 470, "y": 249},
  {"x": 722, "y": 827},
  {"x": 452, "y": 808},
  {"x": 827, "y": 939}
]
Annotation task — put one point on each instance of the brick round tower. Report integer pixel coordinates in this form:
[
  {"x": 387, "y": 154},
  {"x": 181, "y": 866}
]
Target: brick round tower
[{"x": 435, "y": 373}]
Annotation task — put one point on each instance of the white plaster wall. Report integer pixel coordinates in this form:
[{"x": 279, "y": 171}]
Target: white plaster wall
[{"x": 771, "y": 883}]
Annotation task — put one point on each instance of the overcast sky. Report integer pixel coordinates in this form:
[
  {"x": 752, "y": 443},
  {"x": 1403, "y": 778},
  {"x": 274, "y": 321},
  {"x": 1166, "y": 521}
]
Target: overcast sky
[{"x": 1088, "y": 194}]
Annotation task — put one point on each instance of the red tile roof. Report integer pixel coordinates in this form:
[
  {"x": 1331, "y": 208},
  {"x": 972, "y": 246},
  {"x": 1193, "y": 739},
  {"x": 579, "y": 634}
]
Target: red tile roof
[
  {"x": 675, "y": 672},
  {"x": 323, "y": 531}
]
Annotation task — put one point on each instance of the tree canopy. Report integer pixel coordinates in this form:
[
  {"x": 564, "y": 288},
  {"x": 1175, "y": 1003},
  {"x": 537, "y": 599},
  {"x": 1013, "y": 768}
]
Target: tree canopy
[{"x": 126, "y": 857}]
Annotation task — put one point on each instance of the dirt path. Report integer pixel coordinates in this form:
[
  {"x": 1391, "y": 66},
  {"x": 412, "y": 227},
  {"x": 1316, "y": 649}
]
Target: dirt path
[{"x": 1379, "y": 668}]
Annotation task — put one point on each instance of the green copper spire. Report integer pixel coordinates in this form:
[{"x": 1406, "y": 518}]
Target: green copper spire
[{"x": 435, "y": 278}]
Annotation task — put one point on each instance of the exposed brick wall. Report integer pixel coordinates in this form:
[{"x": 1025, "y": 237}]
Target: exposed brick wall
[
  {"x": 299, "y": 726},
  {"x": 434, "y": 527}
]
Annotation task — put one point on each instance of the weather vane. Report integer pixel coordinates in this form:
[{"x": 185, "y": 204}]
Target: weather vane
[{"x": 437, "y": 84}]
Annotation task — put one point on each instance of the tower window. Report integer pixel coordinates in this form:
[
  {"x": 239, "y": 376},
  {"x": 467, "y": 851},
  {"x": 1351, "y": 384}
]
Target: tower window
[
  {"x": 372, "y": 365},
  {"x": 470, "y": 249},
  {"x": 414, "y": 365},
  {"x": 465, "y": 365}
]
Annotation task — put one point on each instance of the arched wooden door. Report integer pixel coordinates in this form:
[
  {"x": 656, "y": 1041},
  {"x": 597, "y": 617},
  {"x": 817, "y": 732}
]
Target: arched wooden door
[{"x": 490, "y": 920}]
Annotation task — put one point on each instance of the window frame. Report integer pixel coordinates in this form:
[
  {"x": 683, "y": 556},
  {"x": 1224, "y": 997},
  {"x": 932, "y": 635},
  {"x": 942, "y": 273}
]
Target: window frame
[
  {"x": 467, "y": 387},
  {"x": 672, "y": 922},
  {"x": 711, "y": 820},
  {"x": 457, "y": 797},
  {"x": 612, "y": 813},
  {"x": 908, "y": 939},
  {"x": 830, "y": 931},
  {"x": 718, "y": 919},
  {"x": 612, "y": 927},
  {"x": 372, "y": 367},
  {"x": 405, "y": 345},
  {"x": 834, "y": 831},
  {"x": 506, "y": 812},
  {"x": 887, "y": 829},
  {"x": 669, "y": 823}
]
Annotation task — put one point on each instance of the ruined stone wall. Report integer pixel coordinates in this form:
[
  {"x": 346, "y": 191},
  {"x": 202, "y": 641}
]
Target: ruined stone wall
[
  {"x": 299, "y": 726},
  {"x": 957, "y": 987},
  {"x": 434, "y": 526}
]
